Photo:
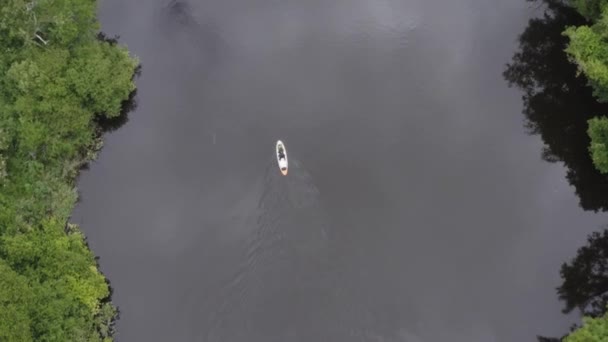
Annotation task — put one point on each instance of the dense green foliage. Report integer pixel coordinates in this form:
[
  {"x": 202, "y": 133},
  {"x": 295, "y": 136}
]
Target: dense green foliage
[
  {"x": 585, "y": 278},
  {"x": 590, "y": 9},
  {"x": 56, "y": 79},
  {"x": 557, "y": 103},
  {"x": 590, "y": 52},
  {"x": 588, "y": 48},
  {"x": 598, "y": 132},
  {"x": 565, "y": 103},
  {"x": 593, "y": 330}
]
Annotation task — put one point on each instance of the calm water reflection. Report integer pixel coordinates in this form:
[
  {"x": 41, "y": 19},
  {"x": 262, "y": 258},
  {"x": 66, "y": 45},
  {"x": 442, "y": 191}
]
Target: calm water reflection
[
  {"x": 557, "y": 103},
  {"x": 417, "y": 209}
]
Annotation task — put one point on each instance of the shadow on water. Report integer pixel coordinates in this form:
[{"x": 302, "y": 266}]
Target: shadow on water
[
  {"x": 178, "y": 20},
  {"x": 557, "y": 103},
  {"x": 585, "y": 280},
  {"x": 283, "y": 261},
  {"x": 105, "y": 125}
]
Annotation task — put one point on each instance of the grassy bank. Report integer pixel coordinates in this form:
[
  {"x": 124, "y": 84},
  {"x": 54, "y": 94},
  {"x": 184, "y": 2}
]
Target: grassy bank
[{"x": 57, "y": 79}]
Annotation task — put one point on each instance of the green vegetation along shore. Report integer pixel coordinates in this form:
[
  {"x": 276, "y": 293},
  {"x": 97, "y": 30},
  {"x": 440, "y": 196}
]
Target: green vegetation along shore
[
  {"x": 58, "y": 78},
  {"x": 588, "y": 48}
]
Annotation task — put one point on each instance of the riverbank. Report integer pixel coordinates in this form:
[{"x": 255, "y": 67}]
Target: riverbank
[
  {"x": 588, "y": 49},
  {"x": 562, "y": 67},
  {"x": 59, "y": 78}
]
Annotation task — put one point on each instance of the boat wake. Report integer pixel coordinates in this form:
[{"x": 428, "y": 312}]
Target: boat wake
[{"x": 284, "y": 254}]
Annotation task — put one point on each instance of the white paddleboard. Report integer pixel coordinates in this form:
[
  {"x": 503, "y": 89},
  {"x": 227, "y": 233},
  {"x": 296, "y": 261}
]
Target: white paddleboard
[{"x": 282, "y": 157}]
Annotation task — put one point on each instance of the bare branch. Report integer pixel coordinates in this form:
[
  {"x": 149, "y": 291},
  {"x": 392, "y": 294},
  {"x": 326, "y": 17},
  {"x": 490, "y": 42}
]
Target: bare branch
[{"x": 40, "y": 38}]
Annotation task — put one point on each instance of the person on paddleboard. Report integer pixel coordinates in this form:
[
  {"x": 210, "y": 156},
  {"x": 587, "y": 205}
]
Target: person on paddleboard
[{"x": 281, "y": 153}]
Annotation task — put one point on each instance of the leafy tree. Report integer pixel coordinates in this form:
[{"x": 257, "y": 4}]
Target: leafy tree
[
  {"x": 589, "y": 50},
  {"x": 58, "y": 80},
  {"x": 591, "y": 9},
  {"x": 557, "y": 103},
  {"x": 4, "y": 141},
  {"x": 593, "y": 330},
  {"x": 562, "y": 108},
  {"x": 598, "y": 131},
  {"x": 17, "y": 25},
  {"x": 101, "y": 76},
  {"x": 15, "y": 298},
  {"x": 68, "y": 286},
  {"x": 46, "y": 22}
]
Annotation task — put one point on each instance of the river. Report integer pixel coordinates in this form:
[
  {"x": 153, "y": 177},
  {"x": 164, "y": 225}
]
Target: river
[{"x": 417, "y": 208}]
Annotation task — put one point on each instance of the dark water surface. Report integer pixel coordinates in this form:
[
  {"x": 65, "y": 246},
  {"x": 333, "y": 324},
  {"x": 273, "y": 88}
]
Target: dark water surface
[{"x": 417, "y": 208}]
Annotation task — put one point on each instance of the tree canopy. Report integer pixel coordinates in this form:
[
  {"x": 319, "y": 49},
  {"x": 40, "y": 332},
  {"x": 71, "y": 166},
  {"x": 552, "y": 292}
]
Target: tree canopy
[
  {"x": 557, "y": 103},
  {"x": 588, "y": 49},
  {"x": 593, "y": 330},
  {"x": 598, "y": 131},
  {"x": 58, "y": 79},
  {"x": 562, "y": 67}
]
